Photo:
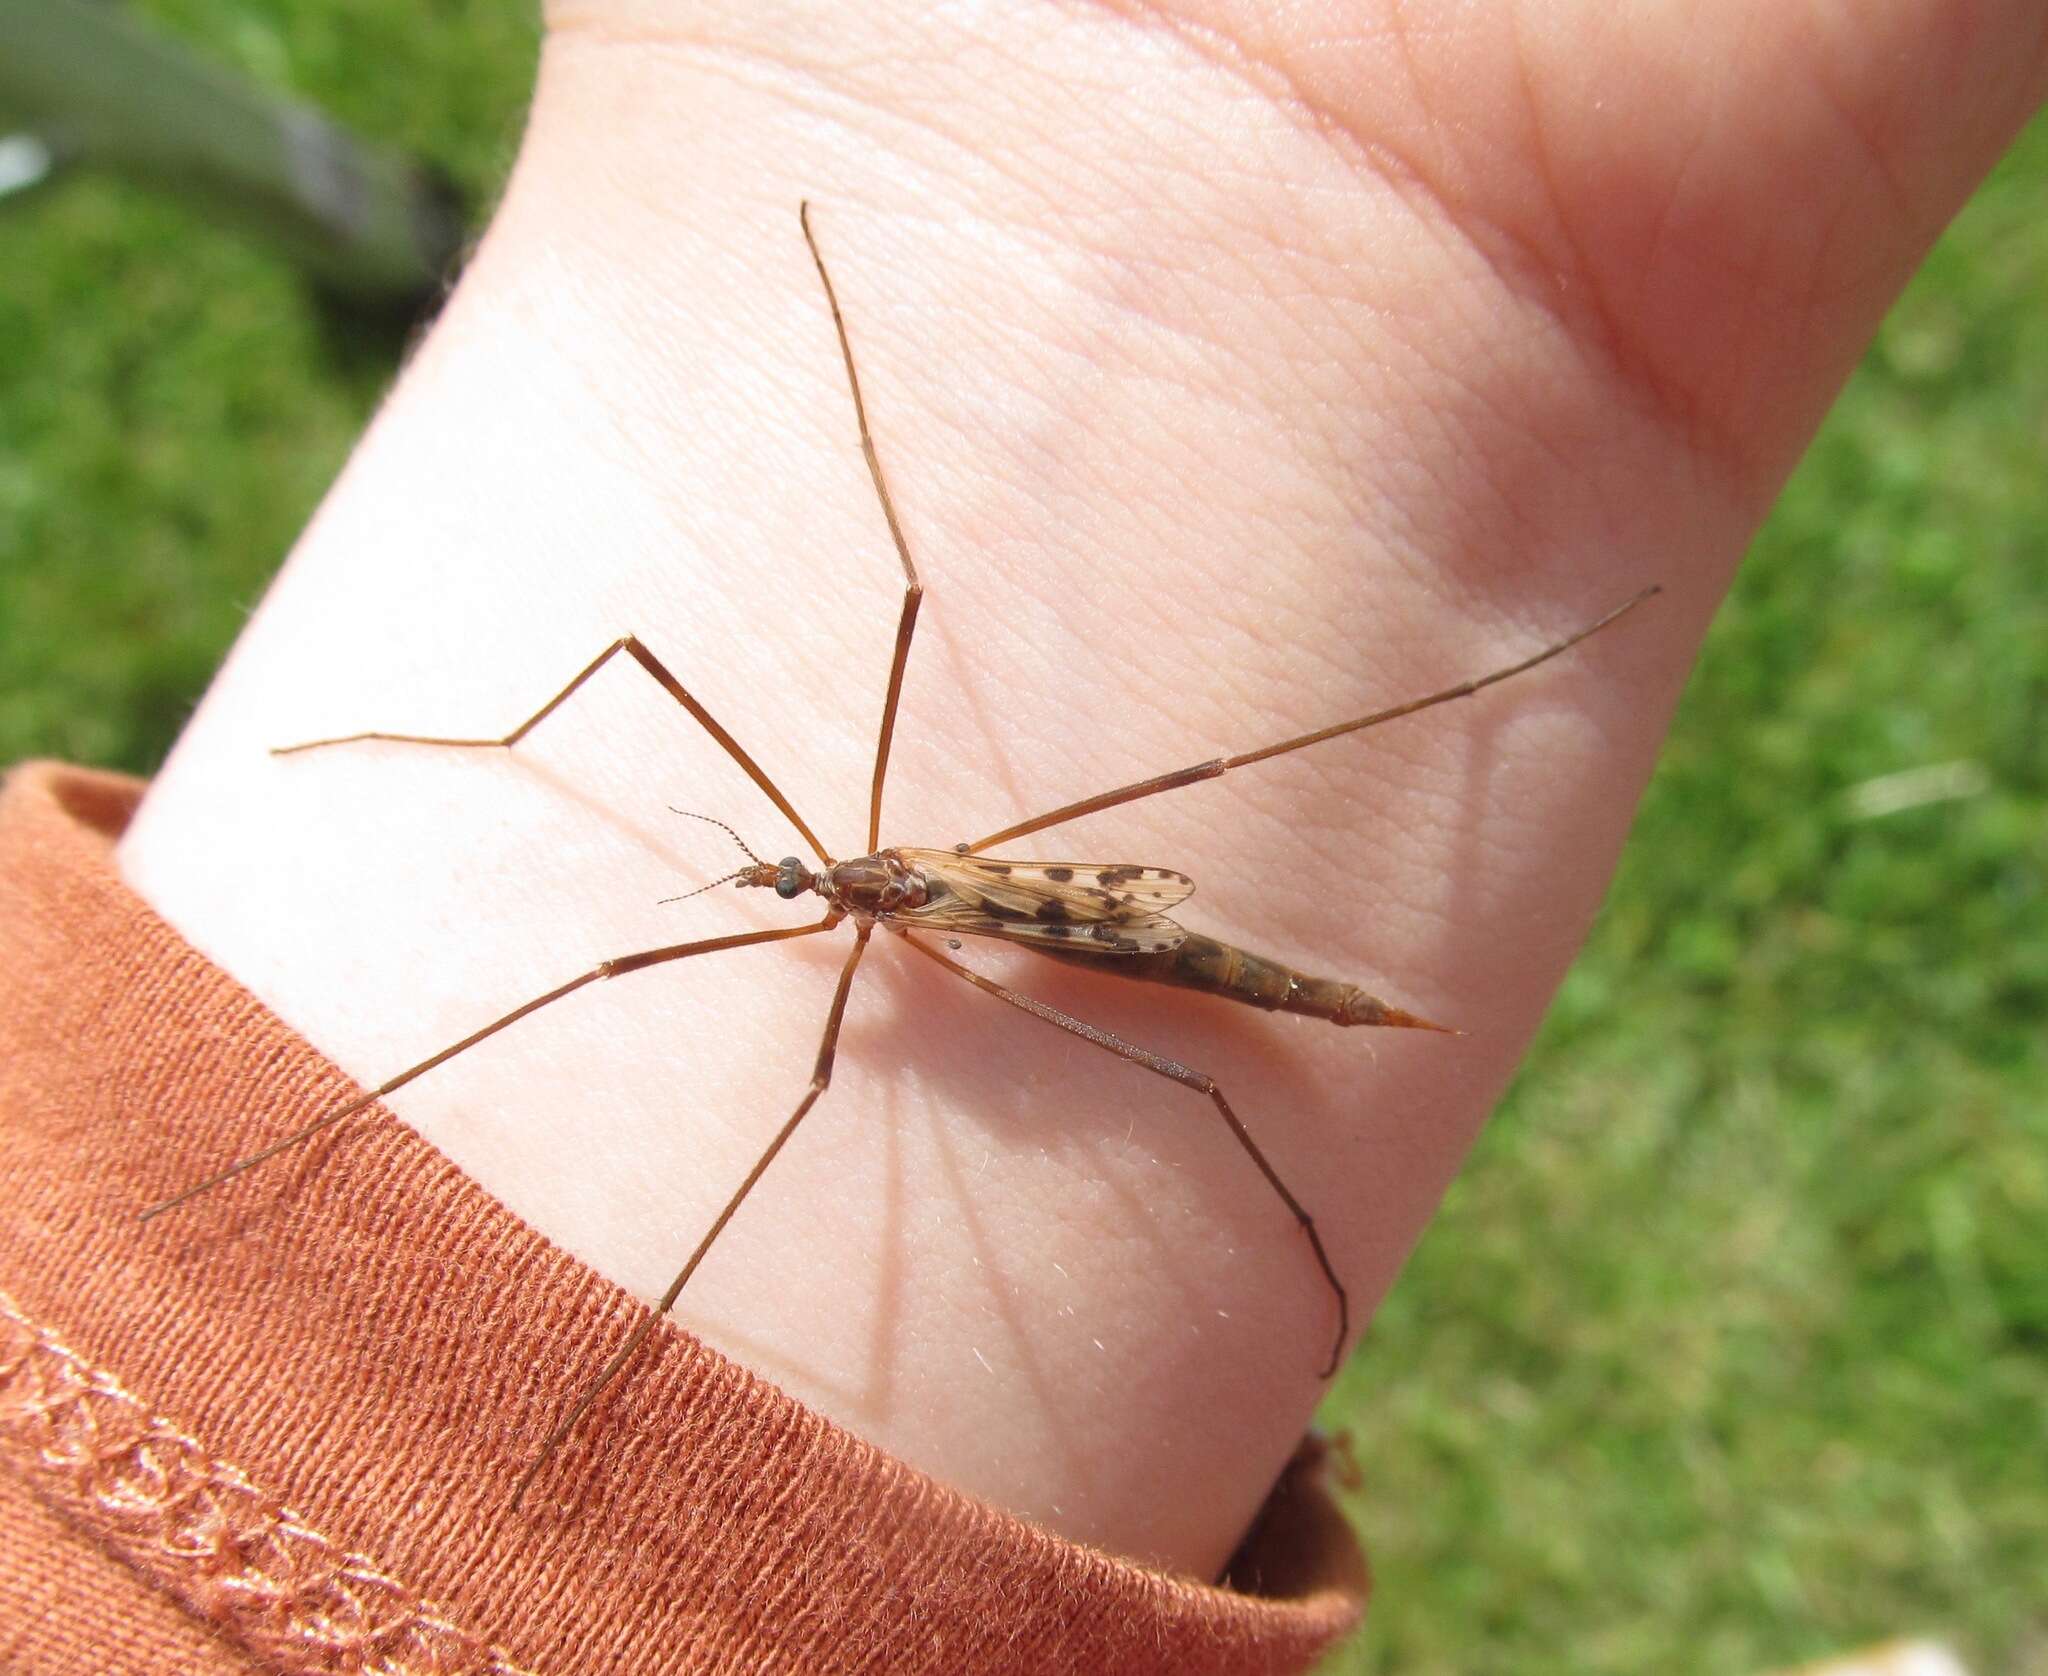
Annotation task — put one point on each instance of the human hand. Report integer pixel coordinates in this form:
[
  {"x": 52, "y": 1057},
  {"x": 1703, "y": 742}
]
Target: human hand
[{"x": 1234, "y": 375}]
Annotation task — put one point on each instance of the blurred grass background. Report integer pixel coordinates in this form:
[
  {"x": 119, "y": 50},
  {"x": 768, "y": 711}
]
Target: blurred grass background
[{"x": 1731, "y": 1345}]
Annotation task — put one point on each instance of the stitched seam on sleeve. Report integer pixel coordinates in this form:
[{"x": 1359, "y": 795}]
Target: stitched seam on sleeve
[{"x": 195, "y": 1526}]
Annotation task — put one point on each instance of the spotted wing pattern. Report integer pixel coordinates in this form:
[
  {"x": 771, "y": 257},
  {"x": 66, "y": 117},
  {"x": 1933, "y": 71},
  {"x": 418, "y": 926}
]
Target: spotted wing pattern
[{"x": 1089, "y": 907}]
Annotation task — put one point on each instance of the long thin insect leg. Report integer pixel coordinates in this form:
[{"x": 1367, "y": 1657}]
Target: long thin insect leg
[
  {"x": 631, "y": 646},
  {"x": 821, "y": 1078},
  {"x": 1187, "y": 1077},
  {"x": 1223, "y": 765},
  {"x": 607, "y": 969},
  {"x": 913, "y": 590}
]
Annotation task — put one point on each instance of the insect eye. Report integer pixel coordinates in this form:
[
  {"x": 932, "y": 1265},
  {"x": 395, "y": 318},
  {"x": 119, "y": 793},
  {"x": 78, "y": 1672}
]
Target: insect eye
[{"x": 789, "y": 880}]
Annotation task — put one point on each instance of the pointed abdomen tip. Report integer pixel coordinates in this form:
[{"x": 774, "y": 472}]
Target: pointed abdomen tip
[{"x": 1368, "y": 1010}]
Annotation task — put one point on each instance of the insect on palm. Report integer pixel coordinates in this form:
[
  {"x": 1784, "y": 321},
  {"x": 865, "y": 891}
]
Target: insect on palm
[{"x": 1116, "y": 918}]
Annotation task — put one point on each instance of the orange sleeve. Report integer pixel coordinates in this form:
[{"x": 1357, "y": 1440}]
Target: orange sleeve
[{"x": 280, "y": 1428}]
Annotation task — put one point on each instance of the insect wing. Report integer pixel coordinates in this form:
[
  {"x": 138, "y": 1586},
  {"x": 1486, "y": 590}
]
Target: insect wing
[
  {"x": 1088, "y": 907},
  {"x": 1109, "y": 889}
]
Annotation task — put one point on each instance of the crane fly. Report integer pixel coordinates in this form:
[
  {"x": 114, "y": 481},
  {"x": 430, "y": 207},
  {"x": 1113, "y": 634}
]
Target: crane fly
[{"x": 1109, "y": 917}]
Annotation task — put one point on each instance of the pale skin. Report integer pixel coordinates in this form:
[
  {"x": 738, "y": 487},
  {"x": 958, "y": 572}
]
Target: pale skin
[{"x": 1234, "y": 374}]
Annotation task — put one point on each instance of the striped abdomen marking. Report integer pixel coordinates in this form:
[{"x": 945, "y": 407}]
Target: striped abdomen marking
[{"x": 1238, "y": 975}]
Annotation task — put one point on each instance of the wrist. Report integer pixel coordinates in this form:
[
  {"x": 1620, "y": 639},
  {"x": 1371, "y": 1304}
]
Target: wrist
[{"x": 1167, "y": 446}]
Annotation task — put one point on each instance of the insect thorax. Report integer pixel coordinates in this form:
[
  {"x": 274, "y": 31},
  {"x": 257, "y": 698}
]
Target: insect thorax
[{"x": 872, "y": 885}]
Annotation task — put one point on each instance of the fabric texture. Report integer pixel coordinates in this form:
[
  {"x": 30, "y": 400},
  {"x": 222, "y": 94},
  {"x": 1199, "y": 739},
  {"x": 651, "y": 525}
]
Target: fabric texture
[{"x": 279, "y": 1429}]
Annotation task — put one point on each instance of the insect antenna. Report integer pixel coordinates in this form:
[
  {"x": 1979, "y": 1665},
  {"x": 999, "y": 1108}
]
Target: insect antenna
[
  {"x": 711, "y": 820},
  {"x": 739, "y": 873},
  {"x": 701, "y": 889}
]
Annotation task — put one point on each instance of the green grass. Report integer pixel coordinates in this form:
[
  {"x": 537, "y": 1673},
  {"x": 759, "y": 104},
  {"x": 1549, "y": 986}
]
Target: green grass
[
  {"x": 173, "y": 399},
  {"x": 1731, "y": 1346}
]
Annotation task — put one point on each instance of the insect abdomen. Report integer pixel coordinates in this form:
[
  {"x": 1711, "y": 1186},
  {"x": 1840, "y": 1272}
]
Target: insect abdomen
[{"x": 1218, "y": 968}]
